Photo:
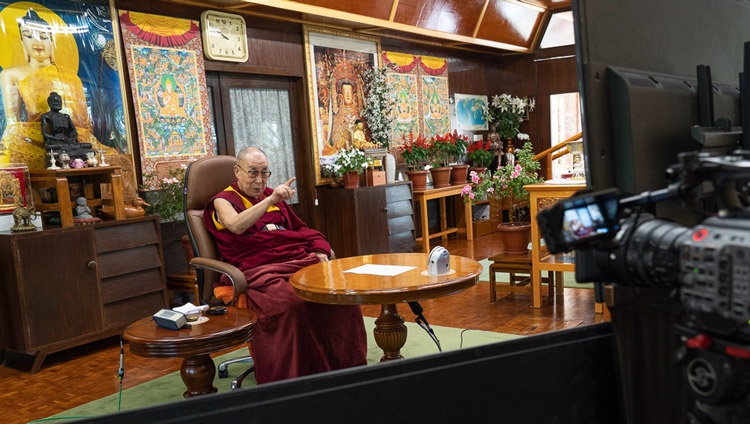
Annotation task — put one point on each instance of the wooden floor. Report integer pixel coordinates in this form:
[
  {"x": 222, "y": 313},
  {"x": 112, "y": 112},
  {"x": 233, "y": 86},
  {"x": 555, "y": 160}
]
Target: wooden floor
[{"x": 80, "y": 375}]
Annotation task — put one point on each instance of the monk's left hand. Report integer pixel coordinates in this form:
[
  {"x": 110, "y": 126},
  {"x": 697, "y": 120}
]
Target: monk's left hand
[{"x": 322, "y": 256}]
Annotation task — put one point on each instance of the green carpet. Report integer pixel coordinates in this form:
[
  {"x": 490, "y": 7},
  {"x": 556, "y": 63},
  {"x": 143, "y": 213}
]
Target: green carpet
[
  {"x": 169, "y": 388},
  {"x": 569, "y": 279}
]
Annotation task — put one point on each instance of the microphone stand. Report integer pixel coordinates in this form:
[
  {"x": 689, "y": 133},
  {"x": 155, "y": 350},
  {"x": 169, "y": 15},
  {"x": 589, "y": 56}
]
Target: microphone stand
[{"x": 422, "y": 321}]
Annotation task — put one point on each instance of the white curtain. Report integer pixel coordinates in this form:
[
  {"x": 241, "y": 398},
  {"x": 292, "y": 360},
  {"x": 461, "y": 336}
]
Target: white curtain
[{"x": 261, "y": 118}]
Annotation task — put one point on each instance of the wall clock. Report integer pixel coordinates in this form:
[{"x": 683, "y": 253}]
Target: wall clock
[{"x": 224, "y": 36}]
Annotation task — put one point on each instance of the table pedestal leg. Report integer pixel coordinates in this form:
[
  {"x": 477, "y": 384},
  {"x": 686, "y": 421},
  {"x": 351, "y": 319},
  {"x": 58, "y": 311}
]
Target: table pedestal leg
[
  {"x": 198, "y": 374},
  {"x": 390, "y": 332}
]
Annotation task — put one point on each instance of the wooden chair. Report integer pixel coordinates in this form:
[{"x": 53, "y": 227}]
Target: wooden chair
[
  {"x": 519, "y": 268},
  {"x": 205, "y": 178}
]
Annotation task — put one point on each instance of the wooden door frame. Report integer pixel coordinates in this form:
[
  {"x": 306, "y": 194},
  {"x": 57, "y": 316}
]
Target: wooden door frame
[{"x": 305, "y": 184}]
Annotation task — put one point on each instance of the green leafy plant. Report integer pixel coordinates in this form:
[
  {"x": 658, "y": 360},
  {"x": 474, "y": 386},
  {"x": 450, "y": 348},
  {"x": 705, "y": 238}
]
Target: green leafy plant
[
  {"x": 507, "y": 112},
  {"x": 379, "y": 106},
  {"x": 165, "y": 193},
  {"x": 480, "y": 153},
  {"x": 349, "y": 160},
  {"x": 507, "y": 183},
  {"x": 416, "y": 152}
]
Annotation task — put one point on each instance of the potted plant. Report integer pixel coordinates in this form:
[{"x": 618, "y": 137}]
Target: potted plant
[
  {"x": 445, "y": 149},
  {"x": 163, "y": 193},
  {"x": 505, "y": 113},
  {"x": 349, "y": 163},
  {"x": 480, "y": 155},
  {"x": 416, "y": 153},
  {"x": 378, "y": 114},
  {"x": 507, "y": 184}
]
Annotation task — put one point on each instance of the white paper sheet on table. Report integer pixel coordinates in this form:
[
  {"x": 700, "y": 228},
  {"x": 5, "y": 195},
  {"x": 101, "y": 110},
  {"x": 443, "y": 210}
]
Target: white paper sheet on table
[{"x": 385, "y": 270}]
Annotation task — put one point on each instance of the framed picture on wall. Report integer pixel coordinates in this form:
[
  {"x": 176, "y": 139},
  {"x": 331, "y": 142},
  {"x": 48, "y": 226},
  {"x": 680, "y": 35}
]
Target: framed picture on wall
[
  {"x": 469, "y": 112},
  {"x": 336, "y": 63},
  {"x": 69, "y": 47}
]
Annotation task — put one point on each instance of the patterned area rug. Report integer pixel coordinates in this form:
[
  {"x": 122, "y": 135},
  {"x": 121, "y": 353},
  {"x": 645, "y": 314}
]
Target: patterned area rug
[{"x": 170, "y": 387}]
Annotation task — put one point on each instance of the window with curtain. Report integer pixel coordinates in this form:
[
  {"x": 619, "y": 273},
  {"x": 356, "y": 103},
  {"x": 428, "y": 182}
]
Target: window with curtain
[
  {"x": 565, "y": 122},
  {"x": 261, "y": 118}
]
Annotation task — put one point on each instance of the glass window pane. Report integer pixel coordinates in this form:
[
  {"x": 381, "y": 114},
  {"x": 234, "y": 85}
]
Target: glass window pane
[
  {"x": 559, "y": 31},
  {"x": 565, "y": 122}
]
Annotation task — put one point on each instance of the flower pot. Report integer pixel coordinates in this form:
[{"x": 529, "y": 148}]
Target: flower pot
[
  {"x": 459, "y": 173},
  {"x": 441, "y": 177},
  {"x": 351, "y": 180},
  {"x": 418, "y": 179},
  {"x": 515, "y": 237}
]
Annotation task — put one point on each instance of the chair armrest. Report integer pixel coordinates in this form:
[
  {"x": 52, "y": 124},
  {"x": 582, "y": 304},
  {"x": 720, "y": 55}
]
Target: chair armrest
[{"x": 235, "y": 275}]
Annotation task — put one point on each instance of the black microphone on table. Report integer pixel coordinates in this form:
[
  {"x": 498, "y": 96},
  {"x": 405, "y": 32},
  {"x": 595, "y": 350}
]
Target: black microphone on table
[
  {"x": 121, "y": 371},
  {"x": 416, "y": 308}
]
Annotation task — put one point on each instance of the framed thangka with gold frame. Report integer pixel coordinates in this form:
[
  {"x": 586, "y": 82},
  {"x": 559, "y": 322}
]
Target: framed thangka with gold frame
[
  {"x": 70, "y": 47},
  {"x": 15, "y": 190},
  {"x": 168, "y": 82},
  {"x": 336, "y": 64}
]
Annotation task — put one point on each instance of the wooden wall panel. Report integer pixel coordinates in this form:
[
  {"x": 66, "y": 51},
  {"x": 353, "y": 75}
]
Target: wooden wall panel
[{"x": 440, "y": 15}]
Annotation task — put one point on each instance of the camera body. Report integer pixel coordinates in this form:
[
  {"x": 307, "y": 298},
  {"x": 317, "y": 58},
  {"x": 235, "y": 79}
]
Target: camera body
[{"x": 706, "y": 266}]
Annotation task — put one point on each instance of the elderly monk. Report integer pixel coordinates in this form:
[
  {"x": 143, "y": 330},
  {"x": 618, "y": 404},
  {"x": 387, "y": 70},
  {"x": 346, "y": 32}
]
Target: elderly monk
[{"x": 256, "y": 231}]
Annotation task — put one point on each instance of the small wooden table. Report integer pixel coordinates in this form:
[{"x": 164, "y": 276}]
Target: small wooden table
[
  {"x": 194, "y": 344},
  {"x": 58, "y": 179},
  {"x": 327, "y": 282},
  {"x": 422, "y": 196}
]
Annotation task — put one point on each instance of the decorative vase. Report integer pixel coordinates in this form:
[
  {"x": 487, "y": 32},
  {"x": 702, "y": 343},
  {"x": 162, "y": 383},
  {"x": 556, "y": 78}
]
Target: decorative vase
[
  {"x": 459, "y": 173},
  {"x": 351, "y": 180},
  {"x": 390, "y": 168},
  {"x": 418, "y": 179},
  {"x": 441, "y": 177},
  {"x": 515, "y": 237}
]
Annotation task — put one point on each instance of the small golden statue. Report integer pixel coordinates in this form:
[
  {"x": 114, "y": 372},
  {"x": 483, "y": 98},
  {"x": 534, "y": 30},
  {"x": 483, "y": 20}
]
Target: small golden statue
[{"x": 22, "y": 217}]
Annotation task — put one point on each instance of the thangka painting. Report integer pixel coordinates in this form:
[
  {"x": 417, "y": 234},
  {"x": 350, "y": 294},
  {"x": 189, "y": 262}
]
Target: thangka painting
[
  {"x": 469, "y": 112},
  {"x": 167, "y": 76},
  {"x": 67, "y": 47},
  {"x": 336, "y": 64},
  {"x": 421, "y": 95}
]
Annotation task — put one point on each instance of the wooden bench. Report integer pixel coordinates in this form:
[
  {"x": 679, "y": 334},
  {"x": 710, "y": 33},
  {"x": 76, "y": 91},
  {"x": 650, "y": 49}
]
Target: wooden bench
[{"x": 520, "y": 264}]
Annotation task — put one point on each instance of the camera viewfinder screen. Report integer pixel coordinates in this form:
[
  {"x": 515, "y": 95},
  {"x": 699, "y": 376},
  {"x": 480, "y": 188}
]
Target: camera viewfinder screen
[{"x": 584, "y": 221}]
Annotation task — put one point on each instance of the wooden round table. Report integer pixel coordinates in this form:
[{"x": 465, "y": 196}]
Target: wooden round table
[
  {"x": 328, "y": 282},
  {"x": 194, "y": 344}
]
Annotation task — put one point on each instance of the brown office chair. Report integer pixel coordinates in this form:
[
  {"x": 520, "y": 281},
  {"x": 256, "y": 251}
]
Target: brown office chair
[{"x": 204, "y": 178}]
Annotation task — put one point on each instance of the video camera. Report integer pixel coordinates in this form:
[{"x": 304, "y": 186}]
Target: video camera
[{"x": 707, "y": 265}]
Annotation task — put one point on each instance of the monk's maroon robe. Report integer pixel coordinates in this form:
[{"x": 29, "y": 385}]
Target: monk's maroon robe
[{"x": 293, "y": 337}]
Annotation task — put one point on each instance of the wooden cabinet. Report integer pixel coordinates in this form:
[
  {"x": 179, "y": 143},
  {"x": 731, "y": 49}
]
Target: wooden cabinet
[
  {"x": 486, "y": 226},
  {"x": 64, "y": 287},
  {"x": 367, "y": 220}
]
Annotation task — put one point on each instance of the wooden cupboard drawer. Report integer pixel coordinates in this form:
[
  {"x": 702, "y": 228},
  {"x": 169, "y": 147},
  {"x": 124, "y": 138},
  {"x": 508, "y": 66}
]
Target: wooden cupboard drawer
[
  {"x": 109, "y": 239},
  {"x": 130, "y": 285},
  {"x": 120, "y": 314},
  {"x": 401, "y": 242},
  {"x": 400, "y": 225},
  {"x": 129, "y": 261},
  {"x": 400, "y": 208},
  {"x": 396, "y": 193}
]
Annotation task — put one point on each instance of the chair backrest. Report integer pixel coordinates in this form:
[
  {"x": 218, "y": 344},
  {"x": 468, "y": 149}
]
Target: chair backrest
[{"x": 205, "y": 178}]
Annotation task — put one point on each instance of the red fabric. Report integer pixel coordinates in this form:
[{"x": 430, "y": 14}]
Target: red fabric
[{"x": 292, "y": 337}]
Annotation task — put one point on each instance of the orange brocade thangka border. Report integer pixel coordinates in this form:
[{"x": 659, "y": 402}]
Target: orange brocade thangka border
[{"x": 160, "y": 31}]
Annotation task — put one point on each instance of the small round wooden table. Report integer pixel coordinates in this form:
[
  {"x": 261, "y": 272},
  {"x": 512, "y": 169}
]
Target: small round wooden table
[
  {"x": 328, "y": 282},
  {"x": 194, "y": 344}
]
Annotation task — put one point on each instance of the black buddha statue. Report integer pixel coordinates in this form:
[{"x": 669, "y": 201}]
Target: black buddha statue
[{"x": 59, "y": 132}]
